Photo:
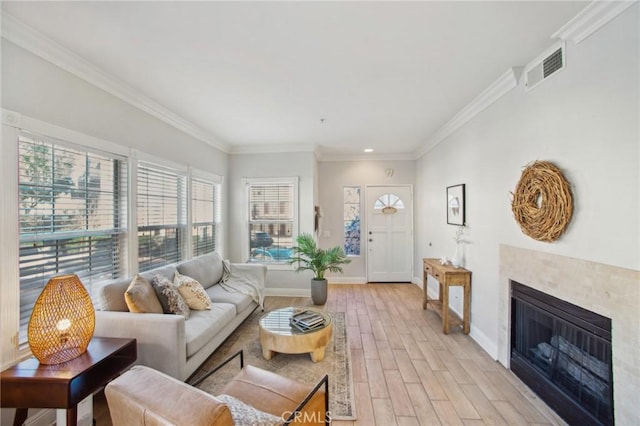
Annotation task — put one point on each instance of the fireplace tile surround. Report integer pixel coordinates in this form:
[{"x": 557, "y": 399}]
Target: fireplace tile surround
[{"x": 607, "y": 290}]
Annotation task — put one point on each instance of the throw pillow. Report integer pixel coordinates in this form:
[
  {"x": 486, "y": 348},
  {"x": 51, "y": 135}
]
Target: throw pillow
[
  {"x": 244, "y": 414},
  {"x": 170, "y": 296},
  {"x": 141, "y": 298},
  {"x": 192, "y": 292}
]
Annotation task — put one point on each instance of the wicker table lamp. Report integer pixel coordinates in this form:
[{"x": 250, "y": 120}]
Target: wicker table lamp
[{"x": 62, "y": 321}]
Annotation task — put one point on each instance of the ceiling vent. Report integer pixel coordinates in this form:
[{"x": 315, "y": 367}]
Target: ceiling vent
[{"x": 543, "y": 67}]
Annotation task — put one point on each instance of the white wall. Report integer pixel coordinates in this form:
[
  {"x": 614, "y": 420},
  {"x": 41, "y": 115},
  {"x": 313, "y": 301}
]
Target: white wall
[
  {"x": 586, "y": 120},
  {"x": 334, "y": 176},
  {"x": 300, "y": 164}
]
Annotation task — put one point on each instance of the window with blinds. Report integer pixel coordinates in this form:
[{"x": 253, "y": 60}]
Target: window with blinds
[
  {"x": 205, "y": 215},
  {"x": 72, "y": 206},
  {"x": 161, "y": 213},
  {"x": 272, "y": 208}
]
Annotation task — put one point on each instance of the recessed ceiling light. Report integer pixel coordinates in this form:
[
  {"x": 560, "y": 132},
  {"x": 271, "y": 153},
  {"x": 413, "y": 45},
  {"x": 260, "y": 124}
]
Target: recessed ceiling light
[{"x": 368, "y": 150}]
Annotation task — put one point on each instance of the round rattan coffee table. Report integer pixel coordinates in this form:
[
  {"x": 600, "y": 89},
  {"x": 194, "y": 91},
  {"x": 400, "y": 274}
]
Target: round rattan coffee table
[{"x": 278, "y": 335}]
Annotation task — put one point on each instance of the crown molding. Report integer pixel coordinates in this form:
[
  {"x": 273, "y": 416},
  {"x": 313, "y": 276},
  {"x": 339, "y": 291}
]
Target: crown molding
[
  {"x": 35, "y": 42},
  {"x": 329, "y": 157},
  {"x": 590, "y": 19},
  {"x": 271, "y": 148},
  {"x": 491, "y": 94}
]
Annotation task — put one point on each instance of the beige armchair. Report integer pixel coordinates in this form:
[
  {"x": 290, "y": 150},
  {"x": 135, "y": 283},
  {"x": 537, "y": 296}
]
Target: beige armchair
[{"x": 144, "y": 396}]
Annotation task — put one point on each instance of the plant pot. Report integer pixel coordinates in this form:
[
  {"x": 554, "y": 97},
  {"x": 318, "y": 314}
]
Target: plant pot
[{"x": 319, "y": 291}]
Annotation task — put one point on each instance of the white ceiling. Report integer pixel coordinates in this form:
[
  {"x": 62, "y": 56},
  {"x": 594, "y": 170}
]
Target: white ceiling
[{"x": 255, "y": 75}]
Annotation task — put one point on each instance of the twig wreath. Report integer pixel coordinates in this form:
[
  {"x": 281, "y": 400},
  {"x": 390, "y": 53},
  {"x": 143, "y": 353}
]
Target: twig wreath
[{"x": 542, "y": 203}]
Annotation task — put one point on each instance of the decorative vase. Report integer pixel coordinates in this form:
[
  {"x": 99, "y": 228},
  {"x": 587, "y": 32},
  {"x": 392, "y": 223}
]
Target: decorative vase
[
  {"x": 319, "y": 291},
  {"x": 456, "y": 260}
]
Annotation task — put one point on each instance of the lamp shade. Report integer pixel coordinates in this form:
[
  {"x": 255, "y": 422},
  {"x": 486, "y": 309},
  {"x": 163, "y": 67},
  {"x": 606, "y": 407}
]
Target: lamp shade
[{"x": 62, "y": 321}]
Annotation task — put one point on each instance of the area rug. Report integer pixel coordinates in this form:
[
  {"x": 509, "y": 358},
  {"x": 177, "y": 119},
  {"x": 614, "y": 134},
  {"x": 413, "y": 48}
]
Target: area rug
[{"x": 336, "y": 363}]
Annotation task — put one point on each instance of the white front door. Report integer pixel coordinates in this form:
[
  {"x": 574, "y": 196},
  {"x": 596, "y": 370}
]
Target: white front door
[{"x": 389, "y": 235}]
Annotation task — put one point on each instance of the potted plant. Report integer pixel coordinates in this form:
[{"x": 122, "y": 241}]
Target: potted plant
[{"x": 308, "y": 256}]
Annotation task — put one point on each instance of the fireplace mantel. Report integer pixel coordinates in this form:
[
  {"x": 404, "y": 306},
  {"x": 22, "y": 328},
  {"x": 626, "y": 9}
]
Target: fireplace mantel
[{"x": 607, "y": 290}]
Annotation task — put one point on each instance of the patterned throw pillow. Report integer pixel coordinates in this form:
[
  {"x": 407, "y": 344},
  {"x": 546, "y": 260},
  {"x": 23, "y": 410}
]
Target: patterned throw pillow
[
  {"x": 170, "y": 296},
  {"x": 141, "y": 298},
  {"x": 244, "y": 414},
  {"x": 192, "y": 292}
]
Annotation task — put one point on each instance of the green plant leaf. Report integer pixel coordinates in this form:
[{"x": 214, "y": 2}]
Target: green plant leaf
[{"x": 308, "y": 256}]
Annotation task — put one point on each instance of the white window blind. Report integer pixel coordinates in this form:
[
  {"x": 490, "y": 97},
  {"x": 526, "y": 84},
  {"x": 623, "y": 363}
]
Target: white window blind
[
  {"x": 272, "y": 215},
  {"x": 72, "y": 207},
  {"x": 205, "y": 215},
  {"x": 161, "y": 211}
]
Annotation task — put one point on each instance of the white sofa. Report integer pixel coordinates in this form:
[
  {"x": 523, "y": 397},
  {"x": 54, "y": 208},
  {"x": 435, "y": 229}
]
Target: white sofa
[{"x": 168, "y": 342}]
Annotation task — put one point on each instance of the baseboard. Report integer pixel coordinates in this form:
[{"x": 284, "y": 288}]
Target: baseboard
[
  {"x": 287, "y": 292},
  {"x": 480, "y": 338},
  {"x": 347, "y": 280},
  {"x": 485, "y": 343}
]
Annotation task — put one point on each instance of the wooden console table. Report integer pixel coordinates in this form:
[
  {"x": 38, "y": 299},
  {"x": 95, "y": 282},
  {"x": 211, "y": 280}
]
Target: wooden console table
[
  {"x": 447, "y": 276},
  {"x": 30, "y": 384}
]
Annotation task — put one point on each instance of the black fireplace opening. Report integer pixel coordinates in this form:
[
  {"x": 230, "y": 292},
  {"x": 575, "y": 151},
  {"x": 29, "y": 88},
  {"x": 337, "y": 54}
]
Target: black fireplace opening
[{"x": 563, "y": 353}]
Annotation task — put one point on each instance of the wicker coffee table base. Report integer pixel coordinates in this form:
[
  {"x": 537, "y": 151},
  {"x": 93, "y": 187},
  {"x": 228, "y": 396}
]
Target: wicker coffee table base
[{"x": 315, "y": 342}]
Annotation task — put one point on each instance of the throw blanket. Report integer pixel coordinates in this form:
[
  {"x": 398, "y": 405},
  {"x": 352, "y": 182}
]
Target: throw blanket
[{"x": 244, "y": 284}]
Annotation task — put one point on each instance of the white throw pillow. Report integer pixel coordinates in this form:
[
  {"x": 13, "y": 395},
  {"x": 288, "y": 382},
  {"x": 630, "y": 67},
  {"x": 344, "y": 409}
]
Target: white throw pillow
[{"x": 192, "y": 292}]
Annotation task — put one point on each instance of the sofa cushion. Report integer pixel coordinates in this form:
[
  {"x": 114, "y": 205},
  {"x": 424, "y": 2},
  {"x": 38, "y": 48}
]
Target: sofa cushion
[
  {"x": 206, "y": 269},
  {"x": 167, "y": 271},
  {"x": 203, "y": 326},
  {"x": 141, "y": 298},
  {"x": 192, "y": 292},
  {"x": 110, "y": 296},
  {"x": 219, "y": 294},
  {"x": 169, "y": 296},
  {"x": 244, "y": 414}
]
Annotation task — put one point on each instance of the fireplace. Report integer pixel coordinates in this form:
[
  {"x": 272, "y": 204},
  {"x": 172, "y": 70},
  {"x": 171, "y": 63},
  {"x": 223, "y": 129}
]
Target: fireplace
[
  {"x": 608, "y": 290},
  {"x": 563, "y": 353}
]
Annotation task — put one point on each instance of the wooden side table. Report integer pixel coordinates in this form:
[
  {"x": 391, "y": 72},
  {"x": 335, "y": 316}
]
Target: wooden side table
[
  {"x": 447, "y": 276},
  {"x": 32, "y": 385}
]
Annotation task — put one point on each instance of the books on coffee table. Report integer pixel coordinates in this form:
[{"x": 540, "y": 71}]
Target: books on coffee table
[{"x": 306, "y": 321}]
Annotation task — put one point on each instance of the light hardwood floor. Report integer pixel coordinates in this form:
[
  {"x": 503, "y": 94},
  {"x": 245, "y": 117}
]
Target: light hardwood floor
[{"x": 406, "y": 372}]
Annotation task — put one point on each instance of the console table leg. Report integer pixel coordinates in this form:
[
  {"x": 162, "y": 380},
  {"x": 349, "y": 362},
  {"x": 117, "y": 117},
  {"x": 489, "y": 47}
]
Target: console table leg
[
  {"x": 424, "y": 291},
  {"x": 445, "y": 309},
  {"x": 467, "y": 309}
]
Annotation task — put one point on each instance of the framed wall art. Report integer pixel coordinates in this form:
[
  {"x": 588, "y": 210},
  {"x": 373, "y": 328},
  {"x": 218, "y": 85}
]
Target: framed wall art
[{"x": 455, "y": 205}]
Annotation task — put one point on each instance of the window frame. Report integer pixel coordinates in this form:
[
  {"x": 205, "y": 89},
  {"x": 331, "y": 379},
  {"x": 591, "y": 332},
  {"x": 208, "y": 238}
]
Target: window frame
[
  {"x": 344, "y": 221},
  {"x": 118, "y": 233},
  {"x": 256, "y": 181},
  {"x": 216, "y": 181},
  {"x": 183, "y": 213}
]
